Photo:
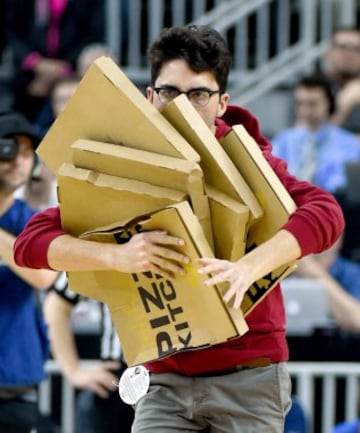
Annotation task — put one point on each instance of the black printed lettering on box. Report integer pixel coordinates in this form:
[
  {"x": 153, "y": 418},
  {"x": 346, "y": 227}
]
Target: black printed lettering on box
[{"x": 159, "y": 299}]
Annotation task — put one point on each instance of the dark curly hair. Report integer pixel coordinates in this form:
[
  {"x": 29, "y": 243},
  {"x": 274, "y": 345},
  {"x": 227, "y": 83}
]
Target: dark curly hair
[
  {"x": 203, "y": 49},
  {"x": 319, "y": 81}
]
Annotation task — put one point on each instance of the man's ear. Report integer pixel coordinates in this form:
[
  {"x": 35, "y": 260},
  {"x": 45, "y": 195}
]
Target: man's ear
[
  {"x": 149, "y": 93},
  {"x": 223, "y": 103}
]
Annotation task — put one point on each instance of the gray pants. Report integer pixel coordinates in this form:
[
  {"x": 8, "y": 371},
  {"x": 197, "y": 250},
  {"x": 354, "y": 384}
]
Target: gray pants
[{"x": 248, "y": 401}]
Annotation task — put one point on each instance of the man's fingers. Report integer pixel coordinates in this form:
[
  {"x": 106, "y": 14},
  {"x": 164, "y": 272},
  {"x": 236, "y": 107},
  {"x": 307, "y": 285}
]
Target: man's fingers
[
  {"x": 111, "y": 365},
  {"x": 169, "y": 254},
  {"x": 212, "y": 266},
  {"x": 238, "y": 293},
  {"x": 99, "y": 390},
  {"x": 166, "y": 267},
  {"x": 161, "y": 237},
  {"x": 218, "y": 275}
]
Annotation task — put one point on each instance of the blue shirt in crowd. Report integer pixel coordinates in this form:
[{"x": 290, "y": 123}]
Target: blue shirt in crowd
[
  {"x": 333, "y": 147},
  {"x": 347, "y": 273},
  {"x": 23, "y": 339}
]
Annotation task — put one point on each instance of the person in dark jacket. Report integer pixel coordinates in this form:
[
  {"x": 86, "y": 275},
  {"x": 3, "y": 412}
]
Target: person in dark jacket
[{"x": 46, "y": 37}]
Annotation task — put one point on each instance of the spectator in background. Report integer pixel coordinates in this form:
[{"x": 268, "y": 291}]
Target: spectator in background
[
  {"x": 63, "y": 88},
  {"x": 297, "y": 420},
  {"x": 342, "y": 67},
  {"x": 99, "y": 408},
  {"x": 89, "y": 54},
  {"x": 40, "y": 191},
  {"x": 314, "y": 148},
  {"x": 46, "y": 37},
  {"x": 23, "y": 342},
  {"x": 347, "y": 427},
  {"x": 341, "y": 277},
  {"x": 60, "y": 92}
]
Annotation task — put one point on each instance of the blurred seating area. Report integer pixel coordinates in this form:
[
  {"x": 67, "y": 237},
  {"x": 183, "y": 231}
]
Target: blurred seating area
[{"x": 272, "y": 41}]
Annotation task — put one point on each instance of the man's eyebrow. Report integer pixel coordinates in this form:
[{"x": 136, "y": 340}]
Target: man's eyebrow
[
  {"x": 200, "y": 88},
  {"x": 167, "y": 86}
]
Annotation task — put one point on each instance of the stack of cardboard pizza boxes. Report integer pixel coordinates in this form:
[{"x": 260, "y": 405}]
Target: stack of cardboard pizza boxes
[{"x": 122, "y": 168}]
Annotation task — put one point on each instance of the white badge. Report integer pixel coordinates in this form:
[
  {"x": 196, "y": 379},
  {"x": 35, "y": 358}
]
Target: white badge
[{"x": 134, "y": 384}]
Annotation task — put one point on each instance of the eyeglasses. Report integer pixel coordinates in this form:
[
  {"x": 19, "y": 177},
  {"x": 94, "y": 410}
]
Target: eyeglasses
[
  {"x": 199, "y": 97},
  {"x": 344, "y": 46}
]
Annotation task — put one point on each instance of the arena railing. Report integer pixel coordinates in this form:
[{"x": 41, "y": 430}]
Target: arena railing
[{"x": 327, "y": 391}]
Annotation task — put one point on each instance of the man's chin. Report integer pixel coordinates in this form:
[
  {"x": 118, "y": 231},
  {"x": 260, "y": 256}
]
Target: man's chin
[{"x": 10, "y": 186}]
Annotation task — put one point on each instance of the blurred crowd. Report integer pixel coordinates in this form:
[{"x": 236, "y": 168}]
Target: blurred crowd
[{"x": 51, "y": 45}]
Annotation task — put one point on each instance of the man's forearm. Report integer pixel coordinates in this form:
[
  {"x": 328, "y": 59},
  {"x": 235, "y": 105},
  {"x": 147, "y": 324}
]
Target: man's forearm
[
  {"x": 67, "y": 253},
  {"x": 149, "y": 251},
  {"x": 344, "y": 307},
  {"x": 58, "y": 317},
  {"x": 40, "y": 279},
  {"x": 279, "y": 250}
]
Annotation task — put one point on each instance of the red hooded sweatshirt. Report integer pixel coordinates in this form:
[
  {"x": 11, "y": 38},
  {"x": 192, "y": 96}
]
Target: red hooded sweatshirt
[{"x": 316, "y": 224}]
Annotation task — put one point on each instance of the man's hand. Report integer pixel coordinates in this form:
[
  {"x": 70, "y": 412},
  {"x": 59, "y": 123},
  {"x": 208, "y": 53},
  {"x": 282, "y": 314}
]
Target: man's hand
[
  {"x": 98, "y": 379},
  {"x": 282, "y": 248},
  {"x": 154, "y": 251},
  {"x": 47, "y": 71},
  {"x": 51, "y": 69},
  {"x": 346, "y": 99},
  {"x": 310, "y": 267},
  {"x": 149, "y": 251},
  {"x": 236, "y": 273}
]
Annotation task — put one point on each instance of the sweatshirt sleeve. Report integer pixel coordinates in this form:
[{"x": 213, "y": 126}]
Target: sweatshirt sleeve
[{"x": 31, "y": 246}]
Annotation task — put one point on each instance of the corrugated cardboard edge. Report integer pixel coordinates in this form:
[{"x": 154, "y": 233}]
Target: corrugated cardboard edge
[
  {"x": 152, "y": 168},
  {"x": 263, "y": 167},
  {"x": 219, "y": 170},
  {"x": 259, "y": 166},
  {"x": 230, "y": 220},
  {"x": 205, "y": 251},
  {"x": 79, "y": 212},
  {"x": 104, "y": 100}
]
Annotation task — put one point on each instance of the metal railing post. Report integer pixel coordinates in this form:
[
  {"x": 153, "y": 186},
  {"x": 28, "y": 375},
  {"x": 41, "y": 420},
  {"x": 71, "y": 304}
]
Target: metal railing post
[{"x": 112, "y": 26}]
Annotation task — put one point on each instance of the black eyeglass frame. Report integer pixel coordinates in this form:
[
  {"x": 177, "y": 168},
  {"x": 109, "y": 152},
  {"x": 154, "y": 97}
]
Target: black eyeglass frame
[
  {"x": 188, "y": 93},
  {"x": 345, "y": 46}
]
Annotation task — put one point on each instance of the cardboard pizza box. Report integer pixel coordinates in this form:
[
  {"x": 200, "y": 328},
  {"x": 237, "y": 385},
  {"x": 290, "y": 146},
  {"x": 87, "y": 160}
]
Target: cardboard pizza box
[
  {"x": 156, "y": 317},
  {"x": 148, "y": 167},
  {"x": 219, "y": 171},
  {"x": 230, "y": 223},
  {"x": 107, "y": 106},
  {"x": 89, "y": 199},
  {"x": 274, "y": 199}
]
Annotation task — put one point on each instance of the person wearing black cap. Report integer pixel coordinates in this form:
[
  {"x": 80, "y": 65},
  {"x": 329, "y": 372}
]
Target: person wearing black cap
[
  {"x": 13, "y": 128},
  {"x": 23, "y": 342}
]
